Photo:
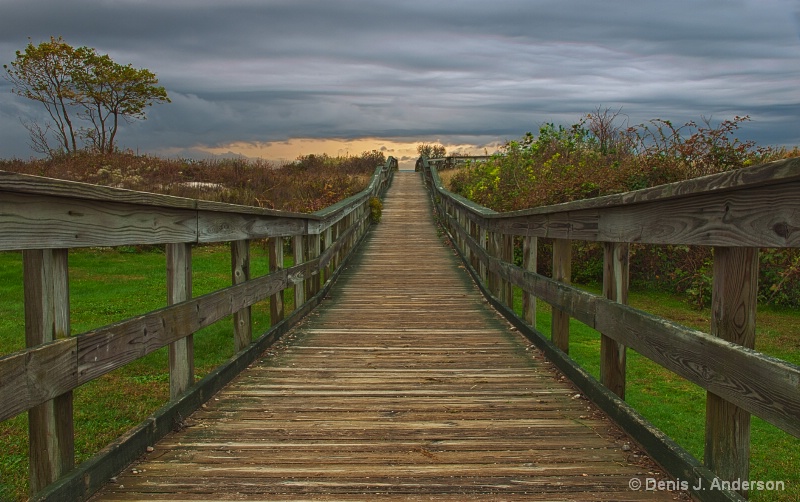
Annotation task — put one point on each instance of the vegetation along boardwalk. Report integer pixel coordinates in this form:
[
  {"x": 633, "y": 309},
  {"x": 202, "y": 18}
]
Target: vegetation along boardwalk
[{"x": 405, "y": 383}]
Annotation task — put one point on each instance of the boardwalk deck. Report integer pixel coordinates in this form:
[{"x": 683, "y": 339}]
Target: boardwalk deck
[{"x": 403, "y": 383}]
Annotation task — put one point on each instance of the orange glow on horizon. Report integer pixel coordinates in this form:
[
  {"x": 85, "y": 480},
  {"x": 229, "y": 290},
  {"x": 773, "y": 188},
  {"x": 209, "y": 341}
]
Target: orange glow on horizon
[{"x": 289, "y": 150}]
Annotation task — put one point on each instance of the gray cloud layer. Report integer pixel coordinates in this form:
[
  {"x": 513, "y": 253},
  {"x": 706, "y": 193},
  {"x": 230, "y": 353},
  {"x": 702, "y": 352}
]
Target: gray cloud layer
[{"x": 249, "y": 70}]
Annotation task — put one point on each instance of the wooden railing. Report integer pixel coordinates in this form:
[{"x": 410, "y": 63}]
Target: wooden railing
[
  {"x": 45, "y": 218},
  {"x": 736, "y": 212}
]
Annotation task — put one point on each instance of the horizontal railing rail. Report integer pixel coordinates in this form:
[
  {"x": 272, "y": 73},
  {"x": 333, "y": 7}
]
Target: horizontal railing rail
[
  {"x": 735, "y": 212},
  {"x": 44, "y": 218}
]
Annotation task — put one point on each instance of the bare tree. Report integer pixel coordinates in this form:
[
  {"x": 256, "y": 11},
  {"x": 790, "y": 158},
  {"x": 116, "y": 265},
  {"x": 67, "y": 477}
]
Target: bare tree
[
  {"x": 602, "y": 126},
  {"x": 431, "y": 151}
]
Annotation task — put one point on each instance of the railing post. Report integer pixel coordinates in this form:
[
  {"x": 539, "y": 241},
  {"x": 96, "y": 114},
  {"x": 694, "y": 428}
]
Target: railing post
[
  {"x": 529, "y": 263},
  {"x": 313, "y": 252},
  {"x": 562, "y": 272},
  {"x": 507, "y": 255},
  {"x": 333, "y": 232},
  {"x": 50, "y": 425},
  {"x": 179, "y": 289},
  {"x": 328, "y": 272},
  {"x": 463, "y": 222},
  {"x": 299, "y": 257},
  {"x": 615, "y": 288},
  {"x": 494, "y": 252},
  {"x": 276, "y": 308},
  {"x": 482, "y": 238},
  {"x": 240, "y": 270},
  {"x": 733, "y": 318},
  {"x": 341, "y": 229},
  {"x": 472, "y": 232}
]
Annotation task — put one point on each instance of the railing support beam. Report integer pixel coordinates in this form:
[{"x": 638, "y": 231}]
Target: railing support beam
[
  {"x": 179, "y": 289},
  {"x": 529, "y": 263},
  {"x": 298, "y": 248},
  {"x": 240, "y": 271},
  {"x": 562, "y": 272},
  {"x": 276, "y": 307},
  {"x": 50, "y": 424},
  {"x": 314, "y": 249},
  {"x": 615, "y": 288},
  {"x": 733, "y": 318}
]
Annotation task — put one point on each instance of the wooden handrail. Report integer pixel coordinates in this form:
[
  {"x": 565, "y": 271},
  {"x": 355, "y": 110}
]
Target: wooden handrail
[
  {"x": 46, "y": 217},
  {"x": 736, "y": 212}
]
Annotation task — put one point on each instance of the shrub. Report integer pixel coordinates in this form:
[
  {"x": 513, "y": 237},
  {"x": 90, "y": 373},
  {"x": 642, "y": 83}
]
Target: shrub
[
  {"x": 595, "y": 157},
  {"x": 375, "y": 209}
]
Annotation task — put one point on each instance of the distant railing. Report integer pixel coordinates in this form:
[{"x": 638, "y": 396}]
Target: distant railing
[
  {"x": 45, "y": 218},
  {"x": 736, "y": 212},
  {"x": 452, "y": 161}
]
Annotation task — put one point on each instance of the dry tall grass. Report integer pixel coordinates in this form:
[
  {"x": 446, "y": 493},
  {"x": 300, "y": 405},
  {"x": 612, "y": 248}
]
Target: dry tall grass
[{"x": 308, "y": 184}]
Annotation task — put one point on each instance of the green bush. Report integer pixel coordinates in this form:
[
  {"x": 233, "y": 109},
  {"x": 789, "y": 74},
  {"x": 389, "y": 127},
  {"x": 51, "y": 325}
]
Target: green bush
[
  {"x": 375, "y": 209},
  {"x": 595, "y": 157}
]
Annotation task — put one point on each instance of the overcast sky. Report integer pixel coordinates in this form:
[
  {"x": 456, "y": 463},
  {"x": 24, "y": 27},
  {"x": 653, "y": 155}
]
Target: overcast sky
[{"x": 250, "y": 76}]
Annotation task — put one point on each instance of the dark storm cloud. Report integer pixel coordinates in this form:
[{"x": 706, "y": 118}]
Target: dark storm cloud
[{"x": 257, "y": 71}]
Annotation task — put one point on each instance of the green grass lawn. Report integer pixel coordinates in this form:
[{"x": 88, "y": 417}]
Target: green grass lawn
[
  {"x": 677, "y": 406},
  {"x": 106, "y": 286}
]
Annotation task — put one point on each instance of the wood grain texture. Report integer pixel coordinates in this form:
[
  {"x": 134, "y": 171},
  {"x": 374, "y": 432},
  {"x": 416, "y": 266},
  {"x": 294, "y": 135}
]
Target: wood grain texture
[
  {"x": 179, "y": 290},
  {"x": 562, "y": 273},
  {"x": 33, "y": 376},
  {"x": 240, "y": 273},
  {"x": 403, "y": 383},
  {"x": 223, "y": 226},
  {"x": 733, "y": 318},
  {"x": 33, "y": 222},
  {"x": 276, "y": 308},
  {"x": 529, "y": 263},
  {"x": 50, "y": 424},
  {"x": 615, "y": 288},
  {"x": 298, "y": 250},
  {"x": 763, "y": 385}
]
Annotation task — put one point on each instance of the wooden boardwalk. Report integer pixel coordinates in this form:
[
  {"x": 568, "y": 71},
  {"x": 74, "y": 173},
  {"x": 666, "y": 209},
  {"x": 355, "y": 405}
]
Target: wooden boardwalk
[{"x": 403, "y": 384}]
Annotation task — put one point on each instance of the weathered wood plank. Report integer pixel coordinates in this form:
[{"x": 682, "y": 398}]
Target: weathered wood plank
[
  {"x": 225, "y": 227},
  {"x": 562, "y": 273},
  {"x": 34, "y": 222},
  {"x": 240, "y": 272},
  {"x": 276, "y": 308},
  {"x": 179, "y": 289},
  {"x": 734, "y": 299},
  {"x": 615, "y": 288},
  {"x": 33, "y": 376},
  {"x": 50, "y": 424},
  {"x": 529, "y": 263},
  {"x": 298, "y": 250},
  {"x": 50, "y": 187}
]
